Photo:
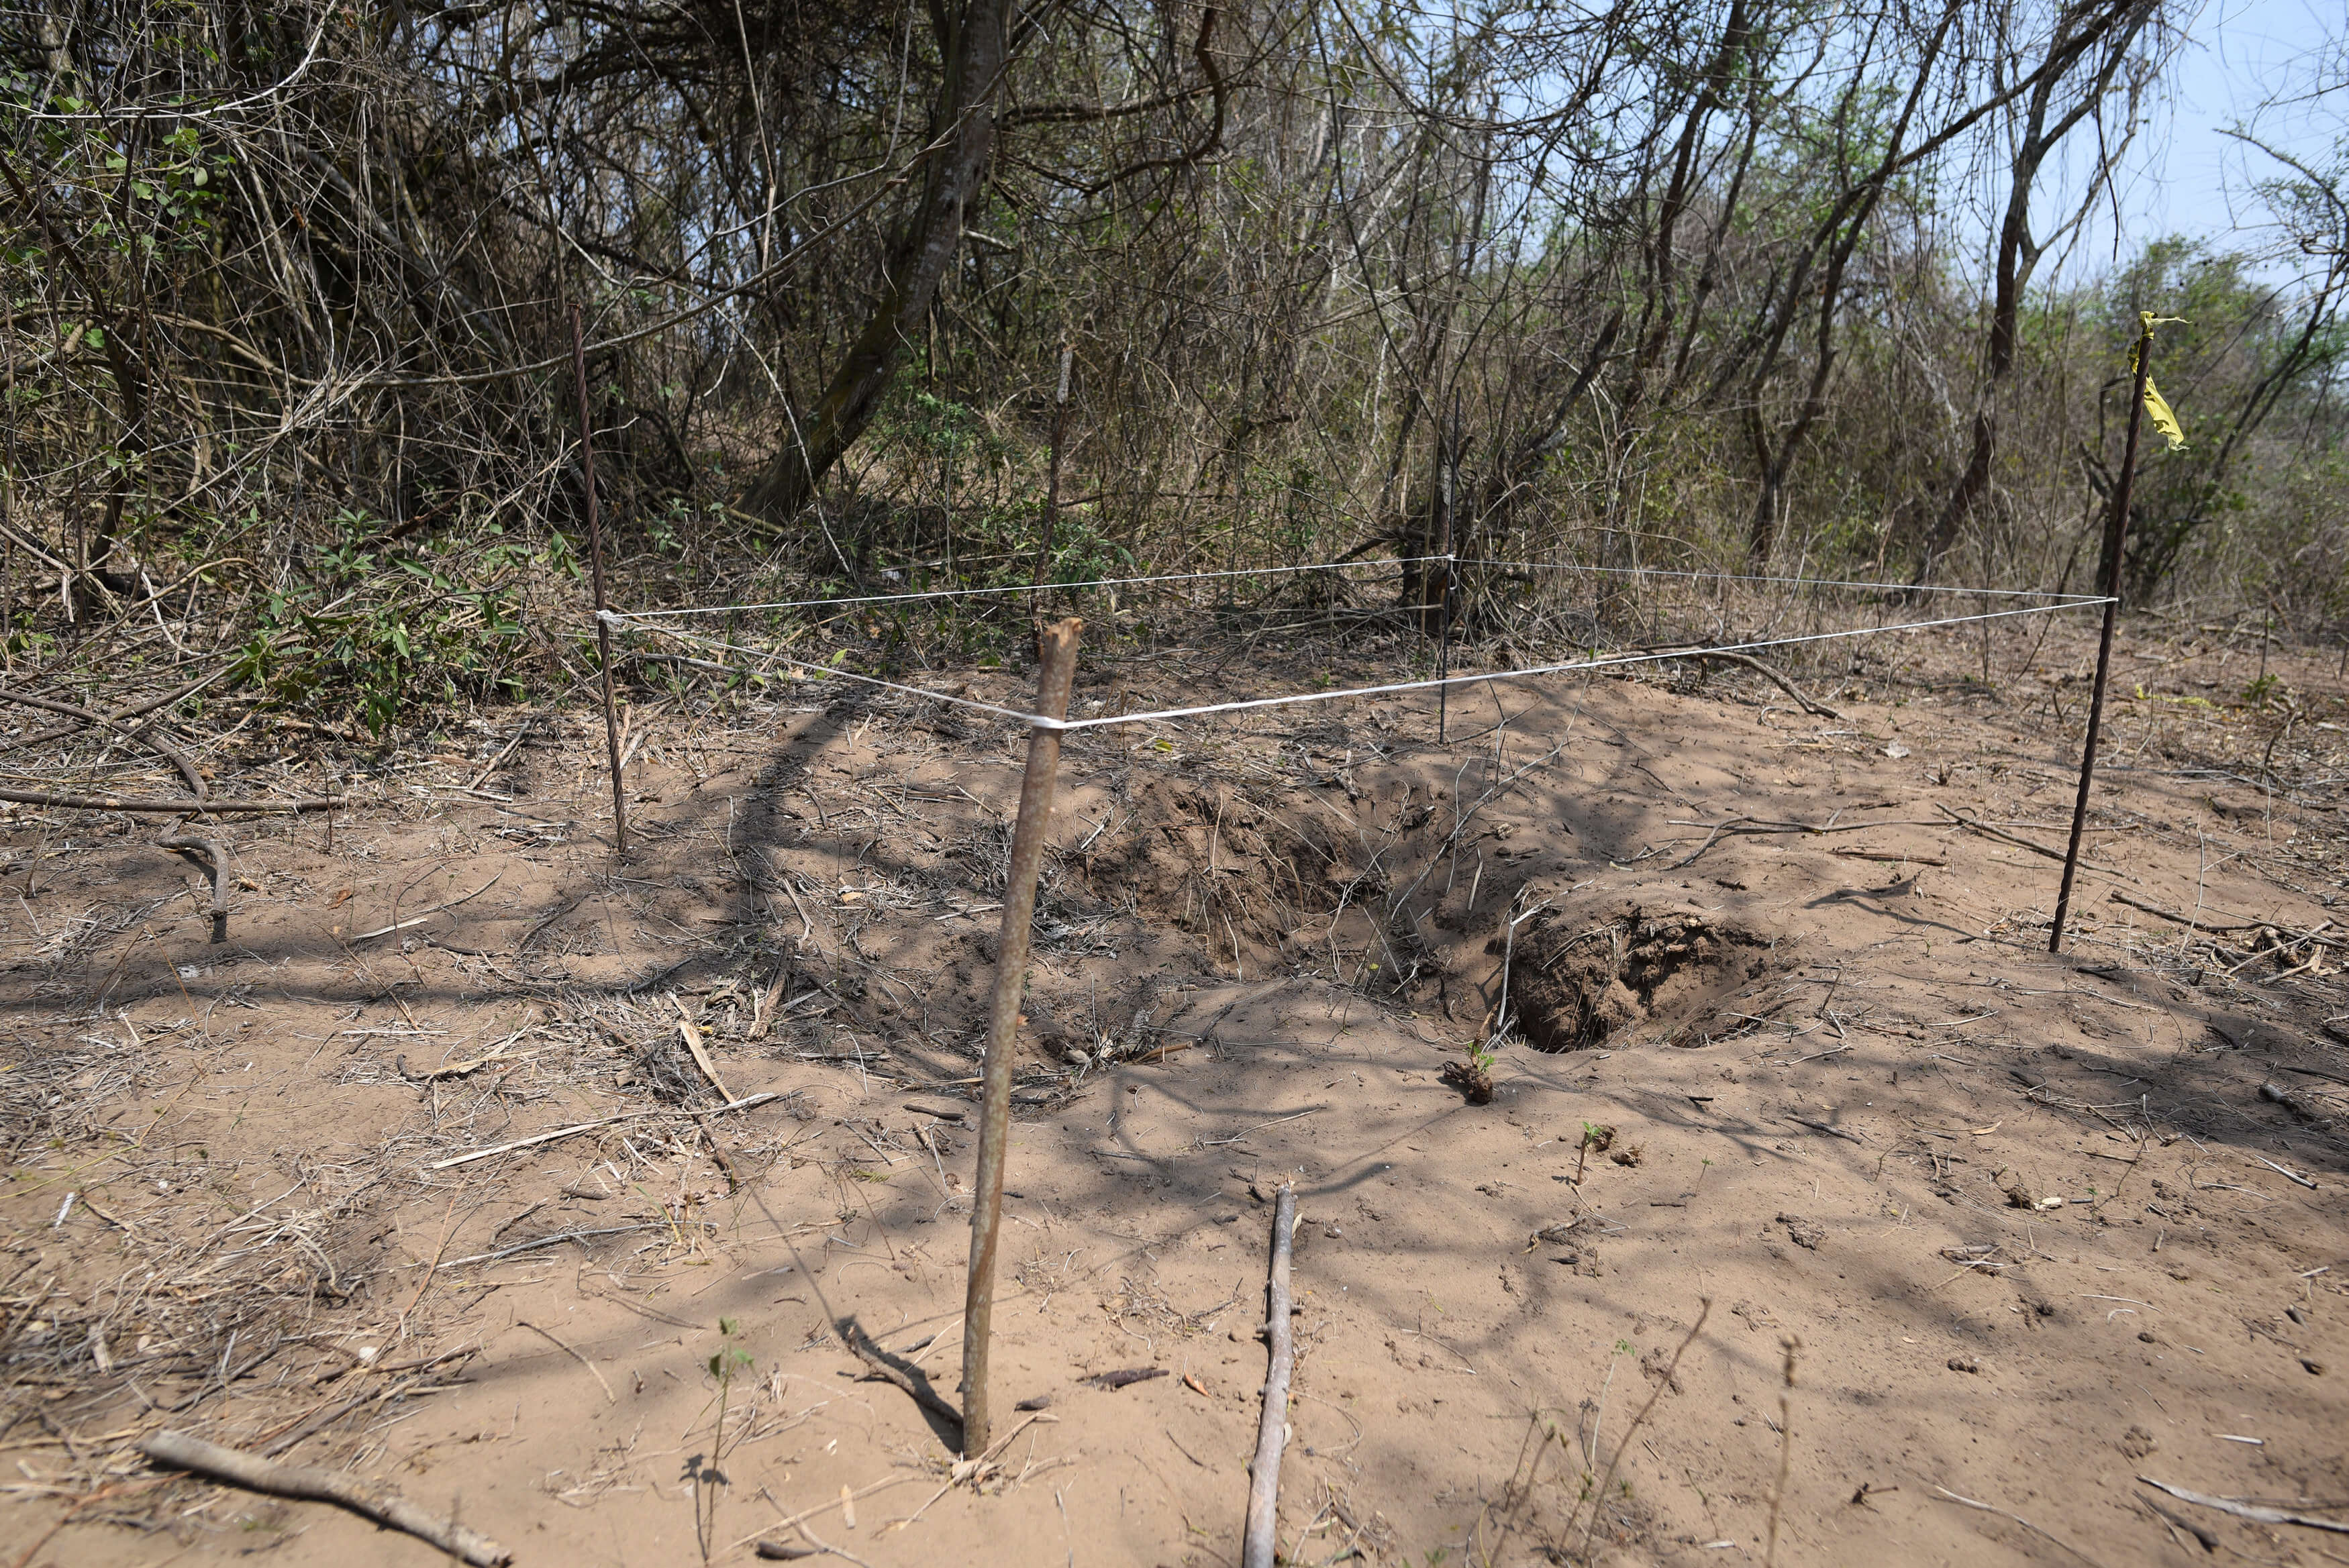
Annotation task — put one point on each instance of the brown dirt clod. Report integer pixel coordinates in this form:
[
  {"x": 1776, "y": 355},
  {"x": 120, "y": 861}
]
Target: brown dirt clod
[{"x": 1579, "y": 978}]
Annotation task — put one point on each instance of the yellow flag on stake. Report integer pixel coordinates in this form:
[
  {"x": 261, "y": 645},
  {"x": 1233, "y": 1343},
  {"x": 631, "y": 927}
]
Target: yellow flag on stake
[{"x": 2157, "y": 406}]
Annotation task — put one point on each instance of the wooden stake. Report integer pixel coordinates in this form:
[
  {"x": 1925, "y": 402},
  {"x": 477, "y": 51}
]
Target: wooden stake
[
  {"x": 1272, "y": 1429},
  {"x": 2115, "y": 537},
  {"x": 595, "y": 561},
  {"x": 1058, "y": 645}
]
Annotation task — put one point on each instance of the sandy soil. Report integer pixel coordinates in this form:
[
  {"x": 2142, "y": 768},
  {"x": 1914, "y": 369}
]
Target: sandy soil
[{"x": 1883, "y": 1207}]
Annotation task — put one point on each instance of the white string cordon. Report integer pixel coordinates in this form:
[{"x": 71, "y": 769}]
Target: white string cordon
[
  {"x": 1796, "y": 581},
  {"x": 619, "y": 622},
  {"x": 651, "y": 615},
  {"x": 1168, "y": 715},
  {"x": 1608, "y": 662}
]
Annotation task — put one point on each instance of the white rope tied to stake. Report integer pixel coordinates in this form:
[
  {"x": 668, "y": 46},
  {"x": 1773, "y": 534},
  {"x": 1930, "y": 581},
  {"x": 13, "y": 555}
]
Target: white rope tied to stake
[{"x": 621, "y": 622}]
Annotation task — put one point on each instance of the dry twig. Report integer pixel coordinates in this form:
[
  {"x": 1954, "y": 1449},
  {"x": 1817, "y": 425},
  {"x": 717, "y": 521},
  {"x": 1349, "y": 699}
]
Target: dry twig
[
  {"x": 1272, "y": 1428},
  {"x": 371, "y": 1500},
  {"x": 2249, "y": 1510},
  {"x": 2035, "y": 1530}
]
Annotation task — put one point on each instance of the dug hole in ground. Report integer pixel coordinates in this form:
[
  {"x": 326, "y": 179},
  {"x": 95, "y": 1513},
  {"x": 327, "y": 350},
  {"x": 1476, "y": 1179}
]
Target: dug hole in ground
[{"x": 2025, "y": 1228}]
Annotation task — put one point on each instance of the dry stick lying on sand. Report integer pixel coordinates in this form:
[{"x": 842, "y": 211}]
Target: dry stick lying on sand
[
  {"x": 156, "y": 744},
  {"x": 593, "y": 1371},
  {"x": 369, "y": 1499},
  {"x": 58, "y": 732},
  {"x": 2196, "y": 923},
  {"x": 745, "y": 1103},
  {"x": 2035, "y": 1530},
  {"x": 1742, "y": 827},
  {"x": 1808, "y": 705},
  {"x": 421, "y": 919},
  {"x": 692, "y": 1033},
  {"x": 182, "y": 843},
  {"x": 241, "y": 806},
  {"x": 1978, "y": 826},
  {"x": 1272, "y": 1429},
  {"x": 860, "y": 1344},
  {"x": 73, "y": 1511},
  {"x": 1790, "y": 1346},
  {"x": 2248, "y": 1509},
  {"x": 791, "y": 1521}
]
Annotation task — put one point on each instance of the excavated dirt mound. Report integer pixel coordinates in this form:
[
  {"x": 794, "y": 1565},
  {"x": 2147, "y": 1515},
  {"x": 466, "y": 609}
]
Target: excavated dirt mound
[
  {"x": 1578, "y": 978},
  {"x": 453, "y": 1169},
  {"x": 1218, "y": 863}
]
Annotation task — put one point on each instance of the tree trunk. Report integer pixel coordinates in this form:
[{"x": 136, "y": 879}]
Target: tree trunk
[
  {"x": 961, "y": 136},
  {"x": 2019, "y": 250}
]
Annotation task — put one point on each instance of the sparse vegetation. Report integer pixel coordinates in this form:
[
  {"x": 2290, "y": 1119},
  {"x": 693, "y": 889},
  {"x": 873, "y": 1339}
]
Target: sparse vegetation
[{"x": 374, "y": 1112}]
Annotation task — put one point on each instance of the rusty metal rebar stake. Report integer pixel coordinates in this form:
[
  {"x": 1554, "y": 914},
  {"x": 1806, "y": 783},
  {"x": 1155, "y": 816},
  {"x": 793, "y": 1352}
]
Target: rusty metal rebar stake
[
  {"x": 1447, "y": 482},
  {"x": 2116, "y": 538},
  {"x": 1058, "y": 645},
  {"x": 595, "y": 565}
]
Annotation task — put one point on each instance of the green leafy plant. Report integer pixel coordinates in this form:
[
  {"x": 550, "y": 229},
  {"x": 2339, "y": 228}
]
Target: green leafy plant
[
  {"x": 1594, "y": 1136},
  {"x": 383, "y": 629}
]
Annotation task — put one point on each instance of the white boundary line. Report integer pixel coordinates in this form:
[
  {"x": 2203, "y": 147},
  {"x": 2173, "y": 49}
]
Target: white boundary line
[
  {"x": 1168, "y": 715},
  {"x": 1796, "y": 581}
]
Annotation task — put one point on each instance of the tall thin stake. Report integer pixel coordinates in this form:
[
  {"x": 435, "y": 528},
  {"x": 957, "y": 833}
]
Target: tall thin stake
[
  {"x": 2116, "y": 536},
  {"x": 595, "y": 560},
  {"x": 8, "y": 493},
  {"x": 1057, "y": 645},
  {"x": 1447, "y": 472}
]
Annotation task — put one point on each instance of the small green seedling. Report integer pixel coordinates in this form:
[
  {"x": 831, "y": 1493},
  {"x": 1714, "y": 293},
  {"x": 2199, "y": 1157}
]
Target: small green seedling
[
  {"x": 1594, "y": 1136},
  {"x": 723, "y": 1364}
]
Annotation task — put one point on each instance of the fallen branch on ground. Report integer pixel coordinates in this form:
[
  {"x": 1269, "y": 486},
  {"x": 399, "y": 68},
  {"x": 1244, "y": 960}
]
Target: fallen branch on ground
[
  {"x": 188, "y": 808},
  {"x": 2026, "y": 1524},
  {"x": 1978, "y": 826},
  {"x": 1671, "y": 1380},
  {"x": 745, "y": 1103},
  {"x": 1810, "y": 705},
  {"x": 1272, "y": 1428},
  {"x": 2285, "y": 939},
  {"x": 852, "y": 1335},
  {"x": 2192, "y": 922},
  {"x": 421, "y": 919},
  {"x": 2249, "y": 1510},
  {"x": 60, "y": 732},
  {"x": 371, "y": 1500},
  {"x": 154, "y": 743},
  {"x": 1751, "y": 827}
]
